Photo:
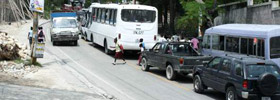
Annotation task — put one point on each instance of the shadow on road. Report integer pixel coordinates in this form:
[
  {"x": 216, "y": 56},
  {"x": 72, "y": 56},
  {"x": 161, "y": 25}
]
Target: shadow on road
[
  {"x": 61, "y": 44},
  {"x": 214, "y": 94},
  {"x": 179, "y": 78}
]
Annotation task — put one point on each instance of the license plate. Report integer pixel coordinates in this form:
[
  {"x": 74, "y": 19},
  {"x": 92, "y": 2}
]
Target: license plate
[
  {"x": 138, "y": 32},
  {"x": 266, "y": 98}
]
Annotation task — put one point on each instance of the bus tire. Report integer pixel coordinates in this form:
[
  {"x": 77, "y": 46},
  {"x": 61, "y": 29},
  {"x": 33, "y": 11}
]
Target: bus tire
[
  {"x": 92, "y": 40},
  {"x": 106, "y": 50}
]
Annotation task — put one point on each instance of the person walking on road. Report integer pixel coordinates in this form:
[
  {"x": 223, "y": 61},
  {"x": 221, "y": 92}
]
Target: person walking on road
[
  {"x": 119, "y": 51},
  {"x": 195, "y": 42},
  {"x": 30, "y": 34},
  {"x": 41, "y": 35},
  {"x": 142, "y": 48}
]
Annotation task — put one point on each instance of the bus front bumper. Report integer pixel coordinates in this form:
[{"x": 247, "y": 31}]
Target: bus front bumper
[{"x": 135, "y": 46}]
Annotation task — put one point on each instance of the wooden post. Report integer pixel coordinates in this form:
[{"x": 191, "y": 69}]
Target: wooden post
[{"x": 34, "y": 38}]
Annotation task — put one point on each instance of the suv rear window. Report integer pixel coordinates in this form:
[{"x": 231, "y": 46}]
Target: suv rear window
[{"x": 254, "y": 71}]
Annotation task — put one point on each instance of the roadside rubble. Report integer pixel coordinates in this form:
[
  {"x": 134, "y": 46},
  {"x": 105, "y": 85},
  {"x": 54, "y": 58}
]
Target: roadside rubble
[{"x": 14, "y": 57}]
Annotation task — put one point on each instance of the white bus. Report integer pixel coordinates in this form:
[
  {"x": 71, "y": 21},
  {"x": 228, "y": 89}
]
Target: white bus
[
  {"x": 127, "y": 23},
  {"x": 245, "y": 39}
]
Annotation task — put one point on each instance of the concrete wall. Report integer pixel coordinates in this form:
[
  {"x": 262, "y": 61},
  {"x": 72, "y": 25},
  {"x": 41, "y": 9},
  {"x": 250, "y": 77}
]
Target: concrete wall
[{"x": 239, "y": 12}]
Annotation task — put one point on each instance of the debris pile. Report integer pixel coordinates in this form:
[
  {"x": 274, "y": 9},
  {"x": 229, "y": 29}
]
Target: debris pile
[
  {"x": 17, "y": 69},
  {"x": 10, "y": 49}
]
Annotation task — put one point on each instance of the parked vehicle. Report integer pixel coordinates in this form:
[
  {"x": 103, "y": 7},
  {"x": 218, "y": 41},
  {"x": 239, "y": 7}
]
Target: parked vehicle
[
  {"x": 84, "y": 24},
  {"x": 128, "y": 23},
  {"x": 64, "y": 27},
  {"x": 246, "y": 39},
  {"x": 240, "y": 77},
  {"x": 174, "y": 57}
]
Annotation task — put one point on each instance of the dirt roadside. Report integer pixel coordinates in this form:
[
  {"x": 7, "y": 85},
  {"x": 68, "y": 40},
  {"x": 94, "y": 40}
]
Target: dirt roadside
[{"x": 50, "y": 75}]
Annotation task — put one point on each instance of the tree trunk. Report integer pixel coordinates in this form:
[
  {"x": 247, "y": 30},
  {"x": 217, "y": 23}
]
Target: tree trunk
[{"x": 172, "y": 17}]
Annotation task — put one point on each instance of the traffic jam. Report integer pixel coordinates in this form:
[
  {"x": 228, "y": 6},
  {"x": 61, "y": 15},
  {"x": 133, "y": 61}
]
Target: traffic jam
[{"x": 228, "y": 58}]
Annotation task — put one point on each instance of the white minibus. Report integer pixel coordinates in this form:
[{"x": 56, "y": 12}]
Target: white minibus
[
  {"x": 246, "y": 39},
  {"x": 128, "y": 23}
]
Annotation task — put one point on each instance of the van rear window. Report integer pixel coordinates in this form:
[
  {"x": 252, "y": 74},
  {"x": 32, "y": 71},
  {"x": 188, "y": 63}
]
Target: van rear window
[{"x": 275, "y": 47}]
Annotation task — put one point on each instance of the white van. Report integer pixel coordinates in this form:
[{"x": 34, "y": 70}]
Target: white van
[{"x": 245, "y": 39}]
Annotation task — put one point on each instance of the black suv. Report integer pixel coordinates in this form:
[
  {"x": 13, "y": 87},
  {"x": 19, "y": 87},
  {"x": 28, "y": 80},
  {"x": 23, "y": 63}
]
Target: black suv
[{"x": 239, "y": 77}]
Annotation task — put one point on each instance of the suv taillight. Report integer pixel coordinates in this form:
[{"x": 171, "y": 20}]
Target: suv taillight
[
  {"x": 245, "y": 84},
  {"x": 181, "y": 60}
]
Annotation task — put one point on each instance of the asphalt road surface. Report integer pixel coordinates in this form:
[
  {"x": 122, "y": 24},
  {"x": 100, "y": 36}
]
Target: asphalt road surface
[{"x": 124, "y": 81}]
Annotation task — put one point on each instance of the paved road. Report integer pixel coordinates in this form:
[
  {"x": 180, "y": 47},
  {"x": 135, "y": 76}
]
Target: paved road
[
  {"x": 125, "y": 82},
  {"x": 15, "y": 92}
]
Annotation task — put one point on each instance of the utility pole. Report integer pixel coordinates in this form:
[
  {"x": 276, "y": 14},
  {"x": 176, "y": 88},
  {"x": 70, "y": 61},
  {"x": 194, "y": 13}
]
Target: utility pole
[{"x": 34, "y": 39}]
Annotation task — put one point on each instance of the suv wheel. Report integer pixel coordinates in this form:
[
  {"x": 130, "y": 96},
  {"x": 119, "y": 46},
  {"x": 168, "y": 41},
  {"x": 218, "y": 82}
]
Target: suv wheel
[
  {"x": 231, "y": 94},
  {"x": 144, "y": 64},
  {"x": 198, "y": 85},
  {"x": 170, "y": 73}
]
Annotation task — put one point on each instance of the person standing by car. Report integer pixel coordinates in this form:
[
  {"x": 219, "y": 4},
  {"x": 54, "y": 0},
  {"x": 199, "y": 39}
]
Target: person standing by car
[
  {"x": 119, "y": 51},
  {"x": 142, "y": 48},
  {"x": 30, "y": 34},
  {"x": 41, "y": 35},
  {"x": 195, "y": 42}
]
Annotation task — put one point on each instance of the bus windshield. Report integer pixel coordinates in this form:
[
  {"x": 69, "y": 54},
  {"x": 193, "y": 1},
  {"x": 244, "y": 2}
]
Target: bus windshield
[
  {"x": 274, "y": 47},
  {"x": 65, "y": 23},
  {"x": 142, "y": 16}
]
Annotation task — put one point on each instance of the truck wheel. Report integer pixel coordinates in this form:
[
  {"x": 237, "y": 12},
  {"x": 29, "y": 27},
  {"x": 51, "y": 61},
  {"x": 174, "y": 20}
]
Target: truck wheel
[
  {"x": 170, "y": 73},
  {"x": 76, "y": 43},
  {"x": 144, "y": 64},
  {"x": 231, "y": 94},
  {"x": 198, "y": 85}
]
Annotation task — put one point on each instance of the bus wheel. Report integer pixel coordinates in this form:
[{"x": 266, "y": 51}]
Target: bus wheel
[
  {"x": 91, "y": 38},
  {"x": 106, "y": 50}
]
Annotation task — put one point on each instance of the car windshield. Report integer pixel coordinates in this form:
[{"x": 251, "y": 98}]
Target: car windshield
[
  {"x": 275, "y": 47},
  {"x": 64, "y": 23},
  {"x": 181, "y": 49},
  {"x": 142, "y": 16},
  {"x": 255, "y": 71}
]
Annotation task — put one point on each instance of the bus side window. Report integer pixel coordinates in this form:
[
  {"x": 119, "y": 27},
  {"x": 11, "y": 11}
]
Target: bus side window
[
  {"x": 260, "y": 47},
  {"x": 232, "y": 44},
  {"x": 103, "y": 15},
  {"x": 218, "y": 42},
  {"x": 244, "y": 46},
  {"x": 115, "y": 17},
  {"x": 111, "y": 16},
  {"x": 107, "y": 16},
  {"x": 96, "y": 14},
  {"x": 99, "y": 15},
  {"x": 206, "y": 42}
]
